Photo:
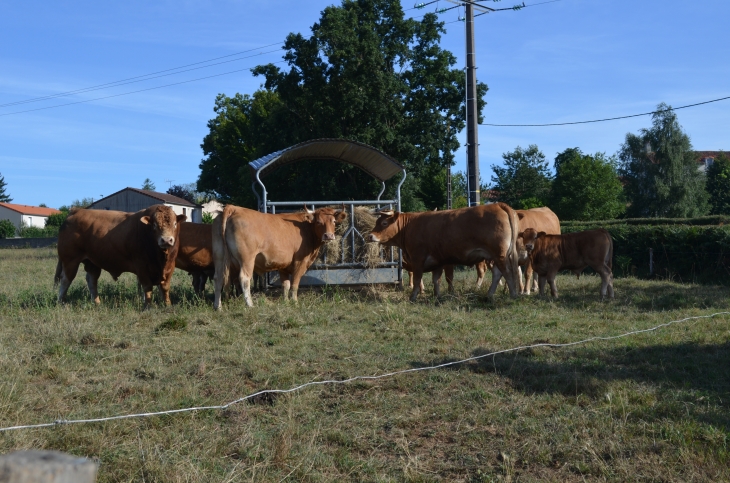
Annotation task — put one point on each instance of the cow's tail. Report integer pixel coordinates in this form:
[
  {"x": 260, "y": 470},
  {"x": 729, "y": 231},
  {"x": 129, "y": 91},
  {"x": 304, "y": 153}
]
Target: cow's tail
[
  {"x": 57, "y": 276},
  {"x": 513, "y": 254},
  {"x": 225, "y": 268},
  {"x": 609, "y": 256}
]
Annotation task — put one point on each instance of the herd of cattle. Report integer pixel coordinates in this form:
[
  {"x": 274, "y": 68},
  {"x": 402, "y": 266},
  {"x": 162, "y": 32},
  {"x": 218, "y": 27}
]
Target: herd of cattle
[{"x": 240, "y": 243}]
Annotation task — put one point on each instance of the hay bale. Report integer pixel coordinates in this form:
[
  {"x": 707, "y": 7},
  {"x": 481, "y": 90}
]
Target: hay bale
[{"x": 369, "y": 254}]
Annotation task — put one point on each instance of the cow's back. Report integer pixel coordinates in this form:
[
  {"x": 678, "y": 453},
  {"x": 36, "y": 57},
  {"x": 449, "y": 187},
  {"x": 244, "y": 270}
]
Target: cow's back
[{"x": 540, "y": 219}]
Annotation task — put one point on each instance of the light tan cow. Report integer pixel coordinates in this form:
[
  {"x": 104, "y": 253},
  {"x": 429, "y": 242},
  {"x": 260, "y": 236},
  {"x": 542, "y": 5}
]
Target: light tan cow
[
  {"x": 433, "y": 239},
  {"x": 262, "y": 242},
  {"x": 572, "y": 251}
]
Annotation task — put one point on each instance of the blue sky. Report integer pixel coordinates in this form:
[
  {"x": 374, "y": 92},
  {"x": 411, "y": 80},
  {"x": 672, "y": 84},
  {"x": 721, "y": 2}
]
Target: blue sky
[{"x": 569, "y": 60}]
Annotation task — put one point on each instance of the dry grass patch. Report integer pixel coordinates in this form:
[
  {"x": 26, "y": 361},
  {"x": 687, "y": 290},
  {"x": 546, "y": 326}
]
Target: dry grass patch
[{"x": 649, "y": 407}]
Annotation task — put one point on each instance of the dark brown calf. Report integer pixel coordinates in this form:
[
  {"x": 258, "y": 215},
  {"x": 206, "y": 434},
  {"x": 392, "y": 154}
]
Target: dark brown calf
[{"x": 572, "y": 251}]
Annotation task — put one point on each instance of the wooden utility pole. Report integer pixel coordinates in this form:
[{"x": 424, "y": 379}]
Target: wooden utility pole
[{"x": 472, "y": 114}]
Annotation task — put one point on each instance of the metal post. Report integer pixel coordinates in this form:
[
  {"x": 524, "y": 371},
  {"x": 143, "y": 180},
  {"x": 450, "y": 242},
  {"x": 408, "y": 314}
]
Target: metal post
[
  {"x": 472, "y": 115},
  {"x": 448, "y": 188},
  {"x": 651, "y": 262}
]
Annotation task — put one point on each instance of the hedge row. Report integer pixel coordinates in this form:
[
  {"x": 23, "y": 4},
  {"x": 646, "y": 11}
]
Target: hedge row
[
  {"x": 699, "y": 221},
  {"x": 683, "y": 253}
]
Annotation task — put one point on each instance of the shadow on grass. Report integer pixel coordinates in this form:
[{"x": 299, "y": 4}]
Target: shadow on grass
[{"x": 684, "y": 379}]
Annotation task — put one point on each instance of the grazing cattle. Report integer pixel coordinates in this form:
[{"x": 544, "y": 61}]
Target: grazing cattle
[
  {"x": 540, "y": 219},
  {"x": 195, "y": 254},
  {"x": 144, "y": 243},
  {"x": 261, "y": 242},
  {"x": 573, "y": 251},
  {"x": 433, "y": 239}
]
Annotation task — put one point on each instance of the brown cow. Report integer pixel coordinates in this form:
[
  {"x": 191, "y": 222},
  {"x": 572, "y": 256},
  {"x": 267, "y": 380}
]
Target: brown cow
[
  {"x": 263, "y": 242},
  {"x": 573, "y": 251},
  {"x": 449, "y": 273},
  {"x": 433, "y": 239},
  {"x": 144, "y": 243},
  {"x": 540, "y": 219},
  {"x": 195, "y": 254}
]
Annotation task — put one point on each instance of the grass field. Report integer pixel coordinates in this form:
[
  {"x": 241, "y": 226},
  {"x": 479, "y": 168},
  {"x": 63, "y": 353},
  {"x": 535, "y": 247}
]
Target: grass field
[{"x": 650, "y": 407}]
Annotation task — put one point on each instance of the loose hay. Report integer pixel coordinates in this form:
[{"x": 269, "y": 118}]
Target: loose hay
[{"x": 367, "y": 254}]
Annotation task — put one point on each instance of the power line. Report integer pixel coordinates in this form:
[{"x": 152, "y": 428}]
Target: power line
[
  {"x": 133, "y": 92},
  {"x": 145, "y": 77},
  {"x": 603, "y": 120}
]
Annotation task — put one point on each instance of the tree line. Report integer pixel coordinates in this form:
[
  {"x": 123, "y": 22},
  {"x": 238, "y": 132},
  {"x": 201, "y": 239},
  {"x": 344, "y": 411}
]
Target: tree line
[{"x": 369, "y": 74}]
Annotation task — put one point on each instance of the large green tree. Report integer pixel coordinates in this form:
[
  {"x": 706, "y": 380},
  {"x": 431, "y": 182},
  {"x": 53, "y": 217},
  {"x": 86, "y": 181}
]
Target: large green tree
[
  {"x": 524, "y": 180},
  {"x": 718, "y": 185},
  {"x": 659, "y": 170},
  {"x": 586, "y": 187},
  {"x": 367, "y": 74},
  {"x": 4, "y": 197}
]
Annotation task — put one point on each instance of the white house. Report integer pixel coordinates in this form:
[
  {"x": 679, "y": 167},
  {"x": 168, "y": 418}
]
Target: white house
[
  {"x": 133, "y": 199},
  {"x": 24, "y": 215}
]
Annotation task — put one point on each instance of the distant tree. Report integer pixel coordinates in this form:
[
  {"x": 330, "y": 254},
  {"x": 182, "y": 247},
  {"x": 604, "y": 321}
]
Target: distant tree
[
  {"x": 459, "y": 198},
  {"x": 659, "y": 170},
  {"x": 43, "y": 205},
  {"x": 7, "y": 229},
  {"x": 208, "y": 218},
  {"x": 524, "y": 181},
  {"x": 4, "y": 197},
  {"x": 586, "y": 187},
  {"x": 148, "y": 185},
  {"x": 181, "y": 192},
  {"x": 82, "y": 203},
  {"x": 366, "y": 73},
  {"x": 718, "y": 185},
  {"x": 56, "y": 219}
]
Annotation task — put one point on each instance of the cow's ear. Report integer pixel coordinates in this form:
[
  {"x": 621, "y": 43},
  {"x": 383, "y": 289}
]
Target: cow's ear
[
  {"x": 181, "y": 218},
  {"x": 340, "y": 216},
  {"x": 520, "y": 215},
  {"x": 520, "y": 234},
  {"x": 542, "y": 233},
  {"x": 145, "y": 220}
]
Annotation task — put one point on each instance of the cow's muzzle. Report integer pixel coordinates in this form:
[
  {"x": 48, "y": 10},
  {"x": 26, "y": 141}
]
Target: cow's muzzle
[
  {"x": 166, "y": 241},
  {"x": 328, "y": 237},
  {"x": 372, "y": 238}
]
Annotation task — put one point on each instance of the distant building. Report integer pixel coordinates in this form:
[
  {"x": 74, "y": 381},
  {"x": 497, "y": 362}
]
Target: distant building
[
  {"x": 133, "y": 199},
  {"x": 706, "y": 158},
  {"x": 24, "y": 215},
  {"x": 213, "y": 207}
]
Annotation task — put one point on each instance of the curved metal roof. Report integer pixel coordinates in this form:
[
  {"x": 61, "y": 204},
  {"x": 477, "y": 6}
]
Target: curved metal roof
[{"x": 373, "y": 161}]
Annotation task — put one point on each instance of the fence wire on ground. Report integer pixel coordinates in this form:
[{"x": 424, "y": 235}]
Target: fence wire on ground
[{"x": 61, "y": 422}]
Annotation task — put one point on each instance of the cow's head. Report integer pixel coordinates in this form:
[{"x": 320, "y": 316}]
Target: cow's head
[
  {"x": 385, "y": 227},
  {"x": 165, "y": 224},
  {"x": 323, "y": 220},
  {"x": 529, "y": 237}
]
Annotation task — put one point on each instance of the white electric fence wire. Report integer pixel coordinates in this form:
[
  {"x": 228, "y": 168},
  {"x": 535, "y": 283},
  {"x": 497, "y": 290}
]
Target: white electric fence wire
[{"x": 359, "y": 378}]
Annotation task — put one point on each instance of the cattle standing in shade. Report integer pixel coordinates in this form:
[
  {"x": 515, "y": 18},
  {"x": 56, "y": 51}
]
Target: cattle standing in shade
[
  {"x": 434, "y": 239},
  {"x": 572, "y": 251},
  {"x": 541, "y": 220},
  {"x": 261, "y": 242},
  {"x": 144, "y": 243}
]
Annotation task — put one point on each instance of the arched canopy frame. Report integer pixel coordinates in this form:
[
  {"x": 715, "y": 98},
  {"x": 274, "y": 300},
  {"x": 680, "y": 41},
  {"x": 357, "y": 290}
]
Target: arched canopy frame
[{"x": 371, "y": 160}]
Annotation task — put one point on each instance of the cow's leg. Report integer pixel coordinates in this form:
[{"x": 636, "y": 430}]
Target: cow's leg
[
  {"x": 449, "y": 274},
  {"x": 541, "y": 284},
  {"x": 410, "y": 280},
  {"x": 610, "y": 284},
  {"x": 147, "y": 288},
  {"x": 436, "y": 278},
  {"x": 502, "y": 263},
  {"x": 481, "y": 270},
  {"x": 68, "y": 273},
  {"x": 551, "y": 281},
  {"x": 245, "y": 274},
  {"x": 165, "y": 291},
  {"x": 606, "y": 282},
  {"x": 285, "y": 284},
  {"x": 92, "y": 280},
  {"x": 496, "y": 278},
  {"x": 417, "y": 284},
  {"x": 528, "y": 278}
]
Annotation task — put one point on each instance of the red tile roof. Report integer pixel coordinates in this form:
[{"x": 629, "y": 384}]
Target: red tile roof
[{"x": 30, "y": 210}]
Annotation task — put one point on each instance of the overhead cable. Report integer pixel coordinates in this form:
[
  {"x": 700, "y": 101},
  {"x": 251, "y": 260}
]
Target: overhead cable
[{"x": 603, "y": 120}]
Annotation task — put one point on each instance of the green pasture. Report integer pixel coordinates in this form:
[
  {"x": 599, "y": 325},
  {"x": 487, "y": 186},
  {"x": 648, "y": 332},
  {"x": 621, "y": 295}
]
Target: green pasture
[{"x": 649, "y": 407}]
